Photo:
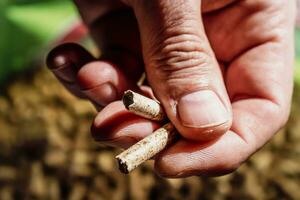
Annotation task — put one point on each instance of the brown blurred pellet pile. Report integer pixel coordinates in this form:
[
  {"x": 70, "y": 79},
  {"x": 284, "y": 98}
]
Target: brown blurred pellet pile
[{"x": 47, "y": 153}]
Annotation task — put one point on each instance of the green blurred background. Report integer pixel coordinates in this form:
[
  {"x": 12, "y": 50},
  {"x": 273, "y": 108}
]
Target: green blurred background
[
  {"x": 27, "y": 27},
  {"x": 47, "y": 152}
]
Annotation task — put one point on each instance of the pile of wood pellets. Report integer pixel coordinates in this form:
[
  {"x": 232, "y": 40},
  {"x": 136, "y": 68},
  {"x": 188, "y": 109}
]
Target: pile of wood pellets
[{"x": 47, "y": 153}]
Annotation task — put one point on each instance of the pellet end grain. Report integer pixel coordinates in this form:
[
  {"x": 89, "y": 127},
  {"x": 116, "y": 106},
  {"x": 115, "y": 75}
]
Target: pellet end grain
[
  {"x": 122, "y": 165},
  {"x": 128, "y": 99}
]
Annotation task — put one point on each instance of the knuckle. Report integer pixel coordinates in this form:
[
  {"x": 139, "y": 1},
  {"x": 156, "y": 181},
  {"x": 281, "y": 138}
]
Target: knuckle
[
  {"x": 188, "y": 49},
  {"x": 183, "y": 59}
]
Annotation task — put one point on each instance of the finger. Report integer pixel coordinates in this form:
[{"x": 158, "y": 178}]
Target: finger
[
  {"x": 65, "y": 61},
  {"x": 255, "y": 122},
  {"x": 129, "y": 63},
  {"x": 212, "y": 158},
  {"x": 106, "y": 20},
  {"x": 181, "y": 67},
  {"x": 99, "y": 81},
  {"x": 110, "y": 128},
  {"x": 102, "y": 82}
]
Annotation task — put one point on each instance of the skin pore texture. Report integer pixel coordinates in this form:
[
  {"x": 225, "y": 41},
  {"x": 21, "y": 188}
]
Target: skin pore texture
[{"x": 222, "y": 69}]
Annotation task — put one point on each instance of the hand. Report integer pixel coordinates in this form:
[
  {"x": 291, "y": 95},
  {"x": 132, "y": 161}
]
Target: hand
[{"x": 222, "y": 71}]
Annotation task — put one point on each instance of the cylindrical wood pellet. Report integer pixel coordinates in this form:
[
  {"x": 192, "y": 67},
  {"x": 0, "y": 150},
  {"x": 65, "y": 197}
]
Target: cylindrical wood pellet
[
  {"x": 143, "y": 106},
  {"x": 146, "y": 148}
]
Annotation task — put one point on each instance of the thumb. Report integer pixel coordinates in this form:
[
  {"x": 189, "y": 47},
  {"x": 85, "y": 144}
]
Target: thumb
[{"x": 181, "y": 67}]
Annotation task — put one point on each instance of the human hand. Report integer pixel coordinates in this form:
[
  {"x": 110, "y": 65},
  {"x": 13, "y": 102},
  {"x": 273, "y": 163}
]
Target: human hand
[{"x": 224, "y": 77}]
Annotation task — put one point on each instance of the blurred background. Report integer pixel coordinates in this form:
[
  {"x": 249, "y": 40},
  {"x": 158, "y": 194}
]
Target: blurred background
[{"x": 46, "y": 149}]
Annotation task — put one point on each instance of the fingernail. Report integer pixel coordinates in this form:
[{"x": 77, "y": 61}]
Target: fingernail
[
  {"x": 102, "y": 94},
  {"x": 66, "y": 59},
  {"x": 202, "y": 109},
  {"x": 66, "y": 72}
]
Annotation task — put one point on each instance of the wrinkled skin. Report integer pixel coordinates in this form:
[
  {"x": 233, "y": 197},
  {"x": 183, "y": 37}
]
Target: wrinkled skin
[{"x": 236, "y": 53}]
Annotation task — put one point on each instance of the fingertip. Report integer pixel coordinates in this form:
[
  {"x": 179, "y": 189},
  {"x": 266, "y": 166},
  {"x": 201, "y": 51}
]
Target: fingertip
[
  {"x": 96, "y": 73},
  {"x": 115, "y": 125},
  {"x": 68, "y": 53},
  {"x": 107, "y": 113},
  {"x": 66, "y": 59},
  {"x": 102, "y": 82},
  {"x": 55, "y": 60}
]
